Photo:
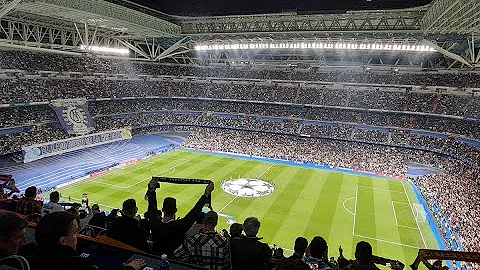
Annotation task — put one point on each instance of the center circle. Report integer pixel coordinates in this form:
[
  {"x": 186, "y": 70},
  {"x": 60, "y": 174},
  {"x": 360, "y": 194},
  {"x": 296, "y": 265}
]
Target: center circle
[{"x": 247, "y": 187}]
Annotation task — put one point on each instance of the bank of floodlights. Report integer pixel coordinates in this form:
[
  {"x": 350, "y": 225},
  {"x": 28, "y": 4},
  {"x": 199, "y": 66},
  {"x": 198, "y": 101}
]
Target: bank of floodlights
[
  {"x": 313, "y": 45},
  {"x": 105, "y": 49}
]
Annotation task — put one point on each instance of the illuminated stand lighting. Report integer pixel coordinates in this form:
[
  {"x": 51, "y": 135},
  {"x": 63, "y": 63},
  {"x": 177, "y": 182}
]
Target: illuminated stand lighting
[
  {"x": 105, "y": 49},
  {"x": 315, "y": 45}
]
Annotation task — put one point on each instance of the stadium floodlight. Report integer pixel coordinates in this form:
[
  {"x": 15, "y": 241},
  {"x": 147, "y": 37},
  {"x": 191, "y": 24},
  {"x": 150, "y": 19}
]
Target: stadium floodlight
[
  {"x": 104, "y": 49},
  {"x": 314, "y": 45}
]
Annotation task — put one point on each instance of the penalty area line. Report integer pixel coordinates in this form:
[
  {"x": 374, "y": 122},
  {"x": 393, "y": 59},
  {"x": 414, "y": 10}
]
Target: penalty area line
[{"x": 386, "y": 241}]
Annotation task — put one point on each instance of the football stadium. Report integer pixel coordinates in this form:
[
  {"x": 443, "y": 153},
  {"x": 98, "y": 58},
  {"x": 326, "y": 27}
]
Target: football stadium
[{"x": 186, "y": 135}]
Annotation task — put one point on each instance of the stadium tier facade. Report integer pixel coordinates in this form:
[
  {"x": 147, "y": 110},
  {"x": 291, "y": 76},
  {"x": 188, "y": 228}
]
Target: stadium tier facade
[{"x": 378, "y": 110}]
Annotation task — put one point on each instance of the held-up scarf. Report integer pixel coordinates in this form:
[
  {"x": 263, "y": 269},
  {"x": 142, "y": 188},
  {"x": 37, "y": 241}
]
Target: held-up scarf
[
  {"x": 185, "y": 181},
  {"x": 429, "y": 254}
]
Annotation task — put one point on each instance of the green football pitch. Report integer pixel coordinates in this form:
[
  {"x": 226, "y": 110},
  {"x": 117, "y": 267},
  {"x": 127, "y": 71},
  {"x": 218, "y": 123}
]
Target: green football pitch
[{"x": 342, "y": 208}]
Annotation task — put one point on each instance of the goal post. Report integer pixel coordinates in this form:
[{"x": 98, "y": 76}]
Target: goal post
[{"x": 419, "y": 212}]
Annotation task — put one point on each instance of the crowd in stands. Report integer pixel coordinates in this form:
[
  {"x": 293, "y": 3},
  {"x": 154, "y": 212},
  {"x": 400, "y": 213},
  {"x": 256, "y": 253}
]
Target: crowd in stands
[
  {"x": 35, "y": 61},
  {"x": 193, "y": 238},
  {"x": 30, "y": 136},
  {"x": 140, "y": 113},
  {"x": 455, "y": 194},
  {"x": 44, "y": 89}
]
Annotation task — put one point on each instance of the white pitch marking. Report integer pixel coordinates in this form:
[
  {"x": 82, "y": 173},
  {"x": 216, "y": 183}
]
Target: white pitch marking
[
  {"x": 394, "y": 213},
  {"x": 400, "y": 202},
  {"x": 258, "y": 177},
  {"x": 383, "y": 189},
  {"x": 409, "y": 227},
  {"x": 346, "y": 207},
  {"x": 416, "y": 221},
  {"x": 138, "y": 182},
  {"x": 355, "y": 209},
  {"x": 386, "y": 241},
  {"x": 223, "y": 208}
]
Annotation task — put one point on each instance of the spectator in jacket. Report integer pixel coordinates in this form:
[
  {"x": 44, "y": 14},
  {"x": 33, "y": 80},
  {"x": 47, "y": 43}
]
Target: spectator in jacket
[
  {"x": 53, "y": 205},
  {"x": 236, "y": 230},
  {"x": 28, "y": 205},
  {"x": 56, "y": 236},
  {"x": 98, "y": 219},
  {"x": 247, "y": 251},
  {"x": 12, "y": 233},
  {"x": 168, "y": 232},
  {"x": 127, "y": 228},
  {"x": 318, "y": 250},
  {"x": 207, "y": 248},
  {"x": 363, "y": 256},
  {"x": 296, "y": 260}
]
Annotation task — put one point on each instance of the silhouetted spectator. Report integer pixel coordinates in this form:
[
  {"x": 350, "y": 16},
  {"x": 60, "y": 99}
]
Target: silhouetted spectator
[
  {"x": 98, "y": 219},
  {"x": 28, "y": 205},
  {"x": 169, "y": 232},
  {"x": 127, "y": 228},
  {"x": 318, "y": 250},
  {"x": 12, "y": 233},
  {"x": 52, "y": 206},
  {"x": 56, "y": 236},
  {"x": 247, "y": 251},
  {"x": 236, "y": 230}
]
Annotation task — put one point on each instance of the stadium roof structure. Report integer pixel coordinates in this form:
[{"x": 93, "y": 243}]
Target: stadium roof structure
[{"x": 449, "y": 29}]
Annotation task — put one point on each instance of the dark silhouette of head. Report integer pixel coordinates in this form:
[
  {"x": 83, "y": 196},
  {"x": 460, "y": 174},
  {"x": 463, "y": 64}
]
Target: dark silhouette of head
[
  {"x": 236, "y": 230},
  {"x": 363, "y": 252},
  {"x": 301, "y": 244},
  {"x": 129, "y": 208},
  {"x": 31, "y": 192},
  {"x": 169, "y": 206},
  {"x": 318, "y": 247},
  {"x": 55, "y": 197},
  {"x": 251, "y": 226}
]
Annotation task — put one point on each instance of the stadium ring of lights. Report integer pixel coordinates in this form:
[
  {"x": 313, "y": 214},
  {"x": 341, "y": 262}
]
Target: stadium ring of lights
[
  {"x": 312, "y": 45},
  {"x": 248, "y": 188}
]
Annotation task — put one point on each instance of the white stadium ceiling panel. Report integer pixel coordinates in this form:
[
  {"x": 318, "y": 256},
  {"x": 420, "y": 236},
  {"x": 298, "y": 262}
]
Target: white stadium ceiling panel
[{"x": 102, "y": 14}]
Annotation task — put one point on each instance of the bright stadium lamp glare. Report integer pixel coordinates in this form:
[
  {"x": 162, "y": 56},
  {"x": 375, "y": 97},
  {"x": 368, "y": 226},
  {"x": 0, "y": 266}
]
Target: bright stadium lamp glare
[{"x": 104, "y": 49}]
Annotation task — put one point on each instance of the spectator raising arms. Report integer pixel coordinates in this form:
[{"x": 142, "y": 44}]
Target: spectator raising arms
[{"x": 168, "y": 232}]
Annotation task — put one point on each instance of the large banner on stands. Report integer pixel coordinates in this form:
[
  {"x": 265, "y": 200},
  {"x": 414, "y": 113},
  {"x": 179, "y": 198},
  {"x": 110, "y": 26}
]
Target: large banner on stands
[
  {"x": 73, "y": 115},
  {"x": 35, "y": 152}
]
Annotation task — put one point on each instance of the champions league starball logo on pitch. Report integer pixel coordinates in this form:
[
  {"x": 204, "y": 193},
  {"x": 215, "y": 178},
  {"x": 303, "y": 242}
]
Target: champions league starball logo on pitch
[{"x": 245, "y": 187}]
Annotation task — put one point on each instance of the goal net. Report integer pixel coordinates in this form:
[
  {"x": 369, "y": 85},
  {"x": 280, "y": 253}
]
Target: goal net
[{"x": 419, "y": 212}]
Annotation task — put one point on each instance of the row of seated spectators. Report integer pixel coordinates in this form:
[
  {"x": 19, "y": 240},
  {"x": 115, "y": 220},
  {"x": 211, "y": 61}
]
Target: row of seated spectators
[
  {"x": 47, "y": 132},
  {"x": 30, "y": 136},
  {"x": 455, "y": 188},
  {"x": 20, "y": 116},
  {"x": 35, "y": 61},
  {"x": 45, "y": 89},
  {"x": 193, "y": 238}
]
